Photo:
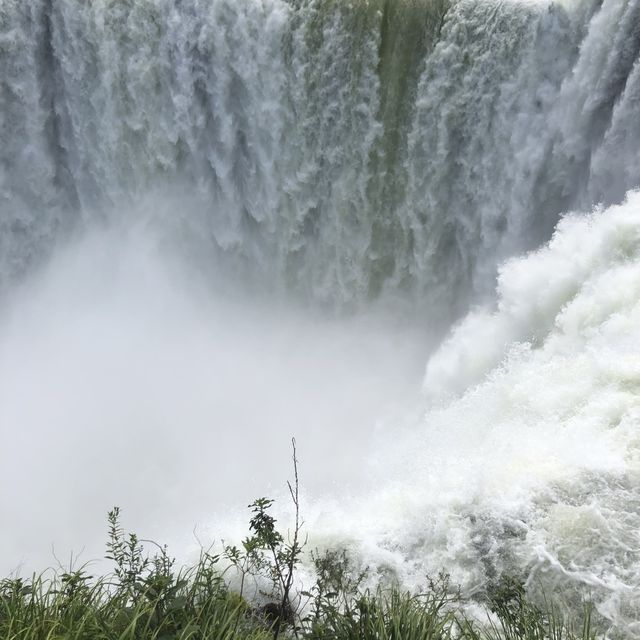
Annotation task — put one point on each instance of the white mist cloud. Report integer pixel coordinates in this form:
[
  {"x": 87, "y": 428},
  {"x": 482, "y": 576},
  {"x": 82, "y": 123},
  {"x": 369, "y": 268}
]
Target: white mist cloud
[{"x": 124, "y": 380}]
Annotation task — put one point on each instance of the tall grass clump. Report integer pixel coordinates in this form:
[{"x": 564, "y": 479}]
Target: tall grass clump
[{"x": 146, "y": 597}]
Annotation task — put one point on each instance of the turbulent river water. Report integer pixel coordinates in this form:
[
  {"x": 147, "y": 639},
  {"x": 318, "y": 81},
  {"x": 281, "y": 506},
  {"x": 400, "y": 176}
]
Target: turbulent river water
[{"x": 404, "y": 231}]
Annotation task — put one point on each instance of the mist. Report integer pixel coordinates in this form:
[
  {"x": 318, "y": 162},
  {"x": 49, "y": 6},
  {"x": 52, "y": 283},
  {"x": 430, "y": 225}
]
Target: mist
[{"x": 127, "y": 379}]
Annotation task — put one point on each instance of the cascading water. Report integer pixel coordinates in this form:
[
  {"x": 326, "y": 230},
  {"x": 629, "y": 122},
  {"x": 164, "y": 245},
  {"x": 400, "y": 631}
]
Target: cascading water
[
  {"x": 159, "y": 156},
  {"x": 342, "y": 149}
]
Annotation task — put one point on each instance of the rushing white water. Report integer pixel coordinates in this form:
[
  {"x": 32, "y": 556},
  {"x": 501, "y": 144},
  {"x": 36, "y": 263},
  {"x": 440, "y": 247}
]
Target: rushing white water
[
  {"x": 527, "y": 455},
  {"x": 185, "y": 183},
  {"x": 337, "y": 149}
]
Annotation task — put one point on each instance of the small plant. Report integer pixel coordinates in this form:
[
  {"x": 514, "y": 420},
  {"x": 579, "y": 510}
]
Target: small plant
[
  {"x": 267, "y": 553},
  {"x": 127, "y": 553},
  {"x": 337, "y": 585}
]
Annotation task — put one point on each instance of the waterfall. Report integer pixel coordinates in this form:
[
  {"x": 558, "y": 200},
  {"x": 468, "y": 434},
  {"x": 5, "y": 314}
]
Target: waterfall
[
  {"x": 336, "y": 149},
  {"x": 226, "y": 222}
]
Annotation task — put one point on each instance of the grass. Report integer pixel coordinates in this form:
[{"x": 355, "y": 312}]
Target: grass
[
  {"x": 147, "y": 598},
  {"x": 52, "y": 609}
]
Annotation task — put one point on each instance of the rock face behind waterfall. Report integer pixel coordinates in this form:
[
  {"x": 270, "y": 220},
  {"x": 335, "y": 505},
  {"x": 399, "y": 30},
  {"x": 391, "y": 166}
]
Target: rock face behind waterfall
[{"x": 339, "y": 150}]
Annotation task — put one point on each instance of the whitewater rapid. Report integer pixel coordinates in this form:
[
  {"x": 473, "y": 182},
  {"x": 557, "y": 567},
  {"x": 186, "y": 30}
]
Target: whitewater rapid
[
  {"x": 405, "y": 232},
  {"x": 527, "y": 454}
]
